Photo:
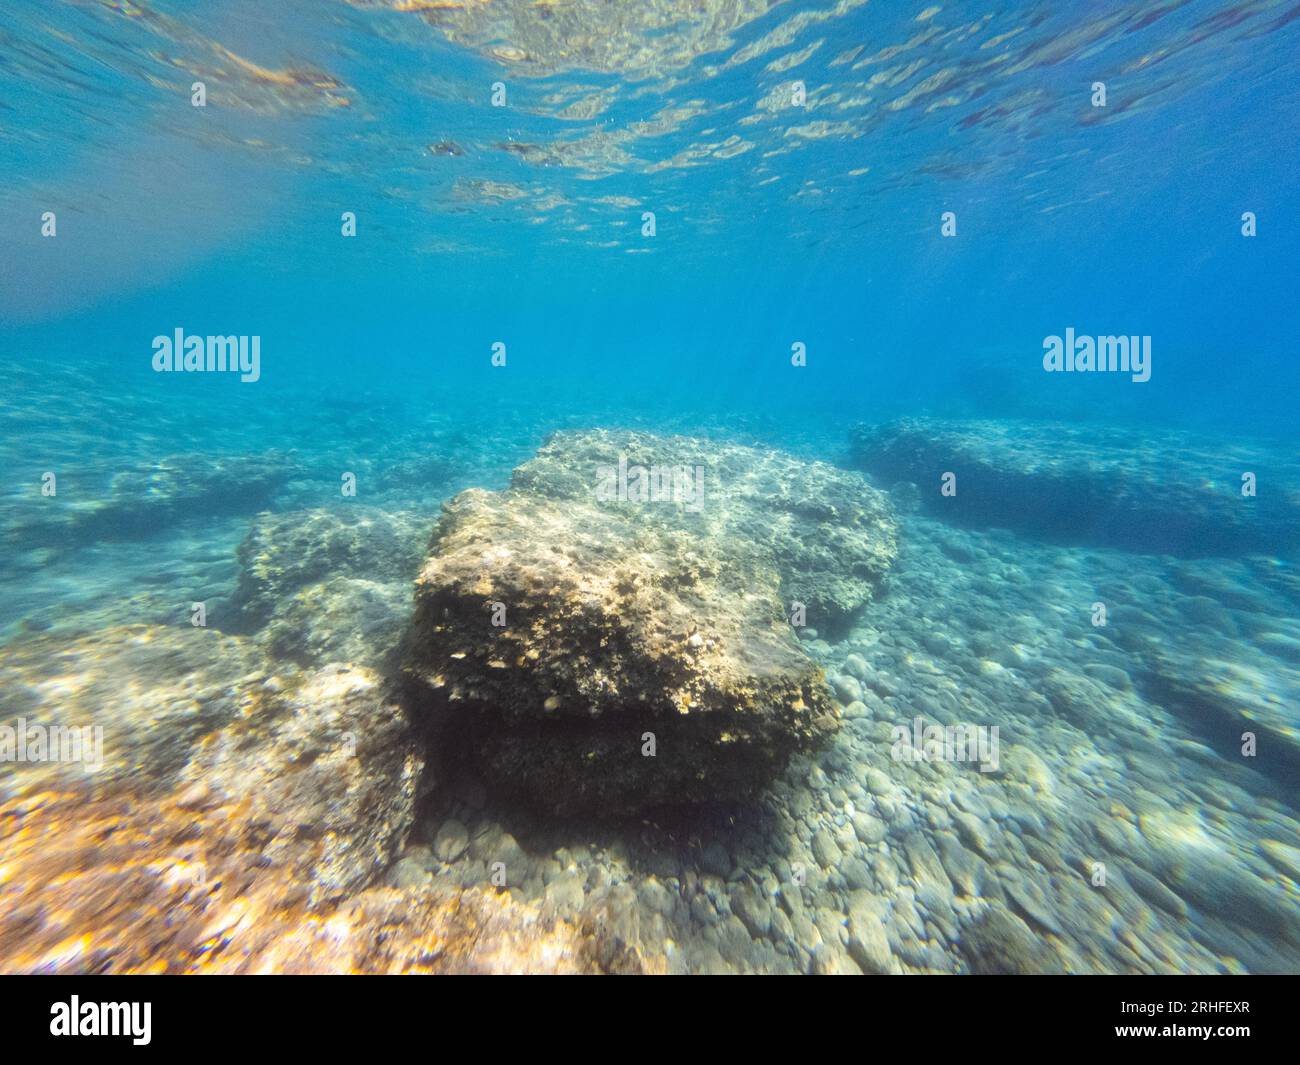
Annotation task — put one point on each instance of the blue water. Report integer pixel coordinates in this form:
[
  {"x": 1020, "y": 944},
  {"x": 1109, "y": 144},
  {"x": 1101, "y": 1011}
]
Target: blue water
[{"x": 819, "y": 225}]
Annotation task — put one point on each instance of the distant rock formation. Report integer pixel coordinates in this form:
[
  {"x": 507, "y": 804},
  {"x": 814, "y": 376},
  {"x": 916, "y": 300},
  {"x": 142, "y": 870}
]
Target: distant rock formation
[
  {"x": 1142, "y": 489},
  {"x": 612, "y": 633},
  {"x": 106, "y": 502}
]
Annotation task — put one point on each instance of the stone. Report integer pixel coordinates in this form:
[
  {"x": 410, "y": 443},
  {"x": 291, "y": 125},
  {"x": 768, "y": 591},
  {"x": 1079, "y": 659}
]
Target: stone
[
  {"x": 855, "y": 665},
  {"x": 847, "y": 689},
  {"x": 1153, "y": 891},
  {"x": 825, "y": 849},
  {"x": 830, "y": 959},
  {"x": 346, "y": 619},
  {"x": 973, "y": 833},
  {"x": 407, "y": 874},
  {"x": 868, "y": 944},
  {"x": 753, "y": 909},
  {"x": 604, "y": 601},
  {"x": 1284, "y": 858},
  {"x": 999, "y": 942},
  {"x": 869, "y": 830},
  {"x": 451, "y": 841}
]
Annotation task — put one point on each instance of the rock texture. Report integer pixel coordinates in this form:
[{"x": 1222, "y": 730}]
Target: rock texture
[
  {"x": 153, "y": 690},
  {"x": 182, "y": 885},
  {"x": 1142, "y": 489},
  {"x": 286, "y": 552},
  {"x": 829, "y": 536},
  {"x": 329, "y": 770},
  {"x": 641, "y": 654},
  {"x": 346, "y": 619},
  {"x": 239, "y": 824},
  {"x": 320, "y": 768}
]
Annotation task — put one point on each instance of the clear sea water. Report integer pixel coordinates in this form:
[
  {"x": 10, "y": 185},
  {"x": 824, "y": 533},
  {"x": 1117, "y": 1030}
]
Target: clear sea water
[{"x": 799, "y": 161}]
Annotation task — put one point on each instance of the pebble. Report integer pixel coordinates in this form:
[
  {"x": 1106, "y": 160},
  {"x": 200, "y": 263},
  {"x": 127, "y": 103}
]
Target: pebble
[
  {"x": 1154, "y": 891},
  {"x": 868, "y": 944},
  {"x": 407, "y": 874},
  {"x": 973, "y": 833},
  {"x": 846, "y": 688},
  {"x": 754, "y": 911},
  {"x": 1284, "y": 858},
  {"x": 825, "y": 849},
  {"x": 870, "y": 830},
  {"x": 451, "y": 841}
]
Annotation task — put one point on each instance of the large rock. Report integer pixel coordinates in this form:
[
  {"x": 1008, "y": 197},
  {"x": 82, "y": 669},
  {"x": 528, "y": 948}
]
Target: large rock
[
  {"x": 1138, "y": 488},
  {"x": 618, "y": 620},
  {"x": 347, "y": 619},
  {"x": 827, "y": 534}
]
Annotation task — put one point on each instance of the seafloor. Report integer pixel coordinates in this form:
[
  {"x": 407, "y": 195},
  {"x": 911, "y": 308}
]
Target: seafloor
[{"x": 286, "y": 790}]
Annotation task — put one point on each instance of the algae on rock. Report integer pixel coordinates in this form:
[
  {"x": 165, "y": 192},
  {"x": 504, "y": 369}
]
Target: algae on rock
[{"x": 604, "y": 655}]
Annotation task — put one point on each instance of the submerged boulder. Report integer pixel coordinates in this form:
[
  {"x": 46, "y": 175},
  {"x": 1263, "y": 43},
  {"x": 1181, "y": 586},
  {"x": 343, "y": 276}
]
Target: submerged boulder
[
  {"x": 1138, "y": 488},
  {"x": 346, "y": 619},
  {"x": 611, "y": 633},
  {"x": 827, "y": 534}
]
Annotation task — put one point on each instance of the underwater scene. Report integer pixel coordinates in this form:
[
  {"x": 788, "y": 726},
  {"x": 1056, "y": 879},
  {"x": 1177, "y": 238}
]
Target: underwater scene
[{"x": 649, "y": 486}]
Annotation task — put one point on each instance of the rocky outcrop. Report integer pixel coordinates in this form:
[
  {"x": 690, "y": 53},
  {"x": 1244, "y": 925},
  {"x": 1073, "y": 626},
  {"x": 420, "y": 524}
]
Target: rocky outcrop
[
  {"x": 1141, "y": 489},
  {"x": 329, "y": 771},
  {"x": 346, "y": 619},
  {"x": 829, "y": 536},
  {"x": 601, "y": 641}
]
